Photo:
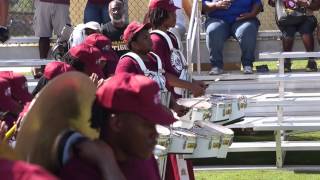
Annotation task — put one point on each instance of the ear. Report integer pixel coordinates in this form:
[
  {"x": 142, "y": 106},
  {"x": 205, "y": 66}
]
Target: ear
[{"x": 116, "y": 124}]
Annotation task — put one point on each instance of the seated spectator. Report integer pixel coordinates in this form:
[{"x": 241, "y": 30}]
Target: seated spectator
[
  {"x": 184, "y": 10},
  {"x": 305, "y": 28},
  {"x": 231, "y": 18},
  {"x": 96, "y": 10},
  {"x": 115, "y": 28},
  {"x": 124, "y": 112},
  {"x": 104, "y": 45},
  {"x": 81, "y": 31}
]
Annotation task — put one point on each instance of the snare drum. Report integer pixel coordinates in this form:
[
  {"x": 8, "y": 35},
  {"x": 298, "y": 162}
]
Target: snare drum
[{"x": 182, "y": 142}]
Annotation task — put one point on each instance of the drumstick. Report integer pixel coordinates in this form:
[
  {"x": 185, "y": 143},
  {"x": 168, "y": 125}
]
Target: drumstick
[
  {"x": 11, "y": 132},
  {"x": 193, "y": 105}
]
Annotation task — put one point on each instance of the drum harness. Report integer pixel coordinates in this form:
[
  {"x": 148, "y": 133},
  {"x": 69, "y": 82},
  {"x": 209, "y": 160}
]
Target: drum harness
[
  {"x": 176, "y": 55},
  {"x": 156, "y": 76}
]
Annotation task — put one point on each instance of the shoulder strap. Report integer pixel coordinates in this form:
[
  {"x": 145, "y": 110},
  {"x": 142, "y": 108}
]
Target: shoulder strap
[
  {"x": 137, "y": 58},
  {"x": 166, "y": 37},
  {"x": 160, "y": 70},
  {"x": 177, "y": 36}
]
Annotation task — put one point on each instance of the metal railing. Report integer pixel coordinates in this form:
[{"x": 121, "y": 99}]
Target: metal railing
[{"x": 193, "y": 37}]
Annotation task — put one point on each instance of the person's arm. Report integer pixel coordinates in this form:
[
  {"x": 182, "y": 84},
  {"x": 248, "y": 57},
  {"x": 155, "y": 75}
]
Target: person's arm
[
  {"x": 4, "y": 5},
  {"x": 195, "y": 88},
  {"x": 208, "y": 7},
  {"x": 256, "y": 9},
  {"x": 187, "y": 6}
]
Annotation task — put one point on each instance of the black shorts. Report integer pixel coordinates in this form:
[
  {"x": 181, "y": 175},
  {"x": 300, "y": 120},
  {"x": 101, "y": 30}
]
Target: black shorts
[{"x": 306, "y": 27}]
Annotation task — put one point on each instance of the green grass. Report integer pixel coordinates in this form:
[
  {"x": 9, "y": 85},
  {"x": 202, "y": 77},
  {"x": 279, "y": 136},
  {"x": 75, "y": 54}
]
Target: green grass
[
  {"x": 296, "y": 64},
  {"x": 254, "y": 175}
]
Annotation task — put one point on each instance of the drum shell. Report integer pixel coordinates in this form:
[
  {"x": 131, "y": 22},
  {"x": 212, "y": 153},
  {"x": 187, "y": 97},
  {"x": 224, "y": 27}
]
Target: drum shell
[
  {"x": 226, "y": 141},
  {"x": 206, "y": 147}
]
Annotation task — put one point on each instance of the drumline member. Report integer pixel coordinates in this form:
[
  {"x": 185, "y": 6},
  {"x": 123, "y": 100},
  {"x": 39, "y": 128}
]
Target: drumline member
[
  {"x": 103, "y": 43},
  {"x": 162, "y": 16},
  {"x": 14, "y": 95},
  {"x": 168, "y": 46},
  {"x": 51, "y": 70},
  {"x": 124, "y": 113}
]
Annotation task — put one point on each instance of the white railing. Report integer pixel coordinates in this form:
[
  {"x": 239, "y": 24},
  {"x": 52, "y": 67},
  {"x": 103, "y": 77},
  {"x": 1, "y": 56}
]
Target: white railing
[{"x": 193, "y": 36}]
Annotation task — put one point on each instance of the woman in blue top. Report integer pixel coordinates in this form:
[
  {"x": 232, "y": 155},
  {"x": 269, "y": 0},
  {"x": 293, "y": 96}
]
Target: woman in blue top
[{"x": 235, "y": 18}]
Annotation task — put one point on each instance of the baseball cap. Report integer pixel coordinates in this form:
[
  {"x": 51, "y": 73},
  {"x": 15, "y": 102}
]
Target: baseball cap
[
  {"x": 164, "y": 4},
  {"x": 7, "y": 103},
  {"x": 103, "y": 43},
  {"x": 92, "y": 25},
  {"x": 137, "y": 94},
  {"x": 132, "y": 29},
  {"x": 18, "y": 84},
  {"x": 90, "y": 57},
  {"x": 56, "y": 68}
]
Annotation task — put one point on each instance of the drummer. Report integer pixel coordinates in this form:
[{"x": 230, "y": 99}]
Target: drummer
[
  {"x": 14, "y": 95},
  {"x": 51, "y": 70},
  {"x": 126, "y": 110},
  {"x": 138, "y": 40},
  {"x": 162, "y": 16}
]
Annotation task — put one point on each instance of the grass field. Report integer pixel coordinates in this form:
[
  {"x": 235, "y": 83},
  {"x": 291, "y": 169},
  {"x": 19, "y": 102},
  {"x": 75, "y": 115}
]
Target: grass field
[{"x": 255, "y": 175}]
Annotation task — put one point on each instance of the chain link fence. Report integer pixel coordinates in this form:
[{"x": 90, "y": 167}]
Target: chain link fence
[{"x": 21, "y": 15}]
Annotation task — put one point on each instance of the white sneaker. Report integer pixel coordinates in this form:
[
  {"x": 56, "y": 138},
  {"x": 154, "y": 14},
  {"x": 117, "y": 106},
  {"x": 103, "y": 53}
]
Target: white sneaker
[
  {"x": 216, "y": 71},
  {"x": 247, "y": 70}
]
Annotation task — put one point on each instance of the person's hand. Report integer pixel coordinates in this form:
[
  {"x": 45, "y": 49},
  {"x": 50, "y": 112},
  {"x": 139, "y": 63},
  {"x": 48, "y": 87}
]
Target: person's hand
[
  {"x": 100, "y": 82},
  {"x": 94, "y": 78},
  {"x": 4, "y": 34},
  {"x": 197, "y": 89},
  {"x": 3, "y": 130},
  {"x": 223, "y": 4},
  {"x": 101, "y": 155},
  {"x": 244, "y": 16},
  {"x": 303, "y": 3},
  {"x": 180, "y": 110}
]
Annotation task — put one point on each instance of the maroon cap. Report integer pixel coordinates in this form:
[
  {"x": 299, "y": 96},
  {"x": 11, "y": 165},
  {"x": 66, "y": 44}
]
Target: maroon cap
[
  {"x": 164, "y": 4},
  {"x": 18, "y": 84},
  {"x": 98, "y": 40},
  {"x": 7, "y": 103},
  {"x": 90, "y": 57},
  {"x": 132, "y": 29},
  {"x": 135, "y": 94},
  {"x": 56, "y": 68}
]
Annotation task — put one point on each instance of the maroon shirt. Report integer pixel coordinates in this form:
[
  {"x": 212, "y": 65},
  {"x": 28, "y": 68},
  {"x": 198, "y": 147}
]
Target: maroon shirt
[
  {"x": 19, "y": 170},
  {"x": 161, "y": 48},
  {"x": 133, "y": 169},
  {"x": 57, "y": 1},
  {"x": 100, "y": 2},
  {"x": 129, "y": 65}
]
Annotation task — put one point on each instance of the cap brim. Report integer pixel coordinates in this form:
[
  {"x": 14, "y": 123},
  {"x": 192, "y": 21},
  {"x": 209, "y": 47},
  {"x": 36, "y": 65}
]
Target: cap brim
[{"x": 157, "y": 114}]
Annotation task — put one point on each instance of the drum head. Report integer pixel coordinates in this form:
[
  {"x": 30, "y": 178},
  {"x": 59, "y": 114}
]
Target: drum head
[
  {"x": 201, "y": 103},
  {"x": 64, "y": 103}
]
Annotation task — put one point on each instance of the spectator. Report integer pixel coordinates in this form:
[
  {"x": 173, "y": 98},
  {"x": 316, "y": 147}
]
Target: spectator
[
  {"x": 4, "y": 31},
  {"x": 184, "y": 10},
  {"x": 81, "y": 31},
  {"x": 115, "y": 28},
  {"x": 231, "y": 18},
  {"x": 97, "y": 11},
  {"x": 124, "y": 112},
  {"x": 305, "y": 28},
  {"x": 50, "y": 15}
]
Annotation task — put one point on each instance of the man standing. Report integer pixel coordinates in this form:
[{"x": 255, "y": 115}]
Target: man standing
[
  {"x": 50, "y": 15},
  {"x": 4, "y": 32},
  {"x": 115, "y": 28}
]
